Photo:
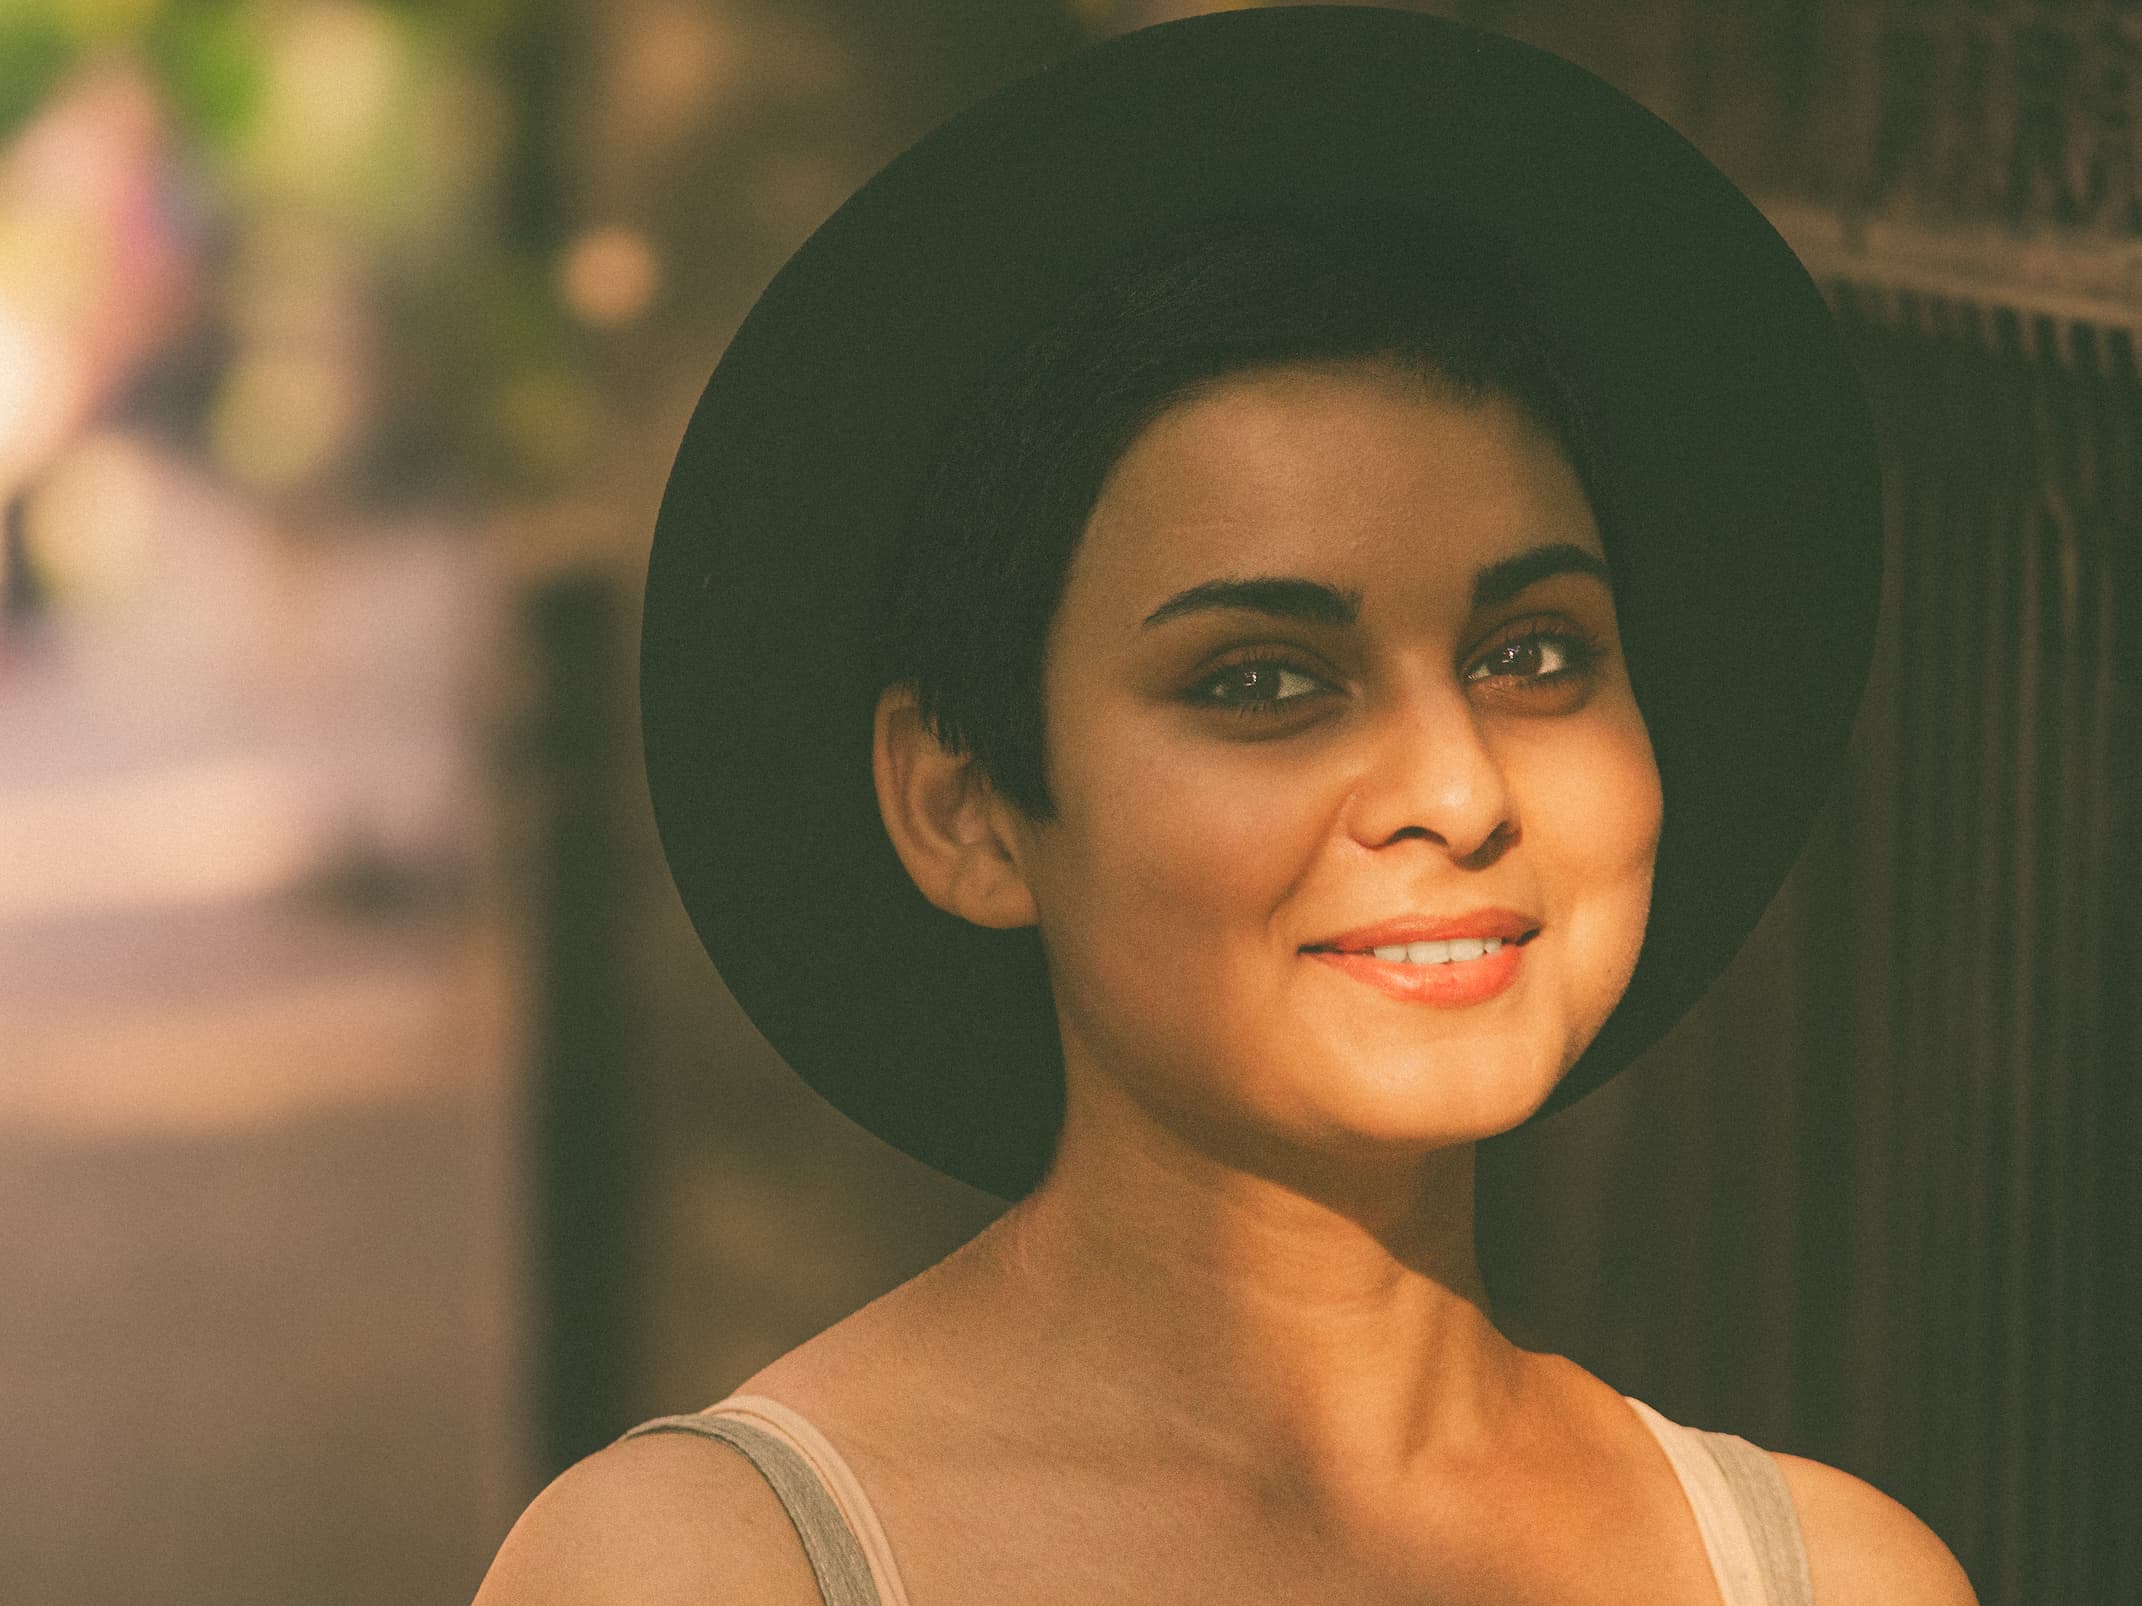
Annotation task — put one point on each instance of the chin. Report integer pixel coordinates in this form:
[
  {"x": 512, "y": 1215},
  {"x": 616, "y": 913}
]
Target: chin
[
  {"x": 1483, "y": 1100},
  {"x": 1411, "y": 1098}
]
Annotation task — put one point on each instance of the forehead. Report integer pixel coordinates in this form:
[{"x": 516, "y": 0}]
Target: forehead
[{"x": 1357, "y": 474}]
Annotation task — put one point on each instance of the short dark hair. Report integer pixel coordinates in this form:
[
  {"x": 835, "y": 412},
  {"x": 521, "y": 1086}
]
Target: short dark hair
[{"x": 1017, "y": 476}]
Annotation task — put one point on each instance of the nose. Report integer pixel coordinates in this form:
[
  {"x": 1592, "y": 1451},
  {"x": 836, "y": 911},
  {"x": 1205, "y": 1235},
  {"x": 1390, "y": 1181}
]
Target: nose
[{"x": 1430, "y": 774}]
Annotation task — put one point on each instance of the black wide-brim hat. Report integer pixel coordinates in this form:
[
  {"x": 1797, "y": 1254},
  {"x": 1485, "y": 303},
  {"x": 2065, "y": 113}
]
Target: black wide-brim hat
[{"x": 1731, "y": 428}]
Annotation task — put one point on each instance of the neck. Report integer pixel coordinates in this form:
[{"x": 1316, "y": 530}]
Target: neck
[{"x": 1327, "y": 1336}]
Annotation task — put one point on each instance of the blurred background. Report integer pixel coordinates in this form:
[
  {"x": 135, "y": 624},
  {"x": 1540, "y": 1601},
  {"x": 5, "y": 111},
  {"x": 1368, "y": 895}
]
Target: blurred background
[{"x": 374, "y": 1138}]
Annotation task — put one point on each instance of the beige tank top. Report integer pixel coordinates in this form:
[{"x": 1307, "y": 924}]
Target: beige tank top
[{"x": 1743, "y": 1509}]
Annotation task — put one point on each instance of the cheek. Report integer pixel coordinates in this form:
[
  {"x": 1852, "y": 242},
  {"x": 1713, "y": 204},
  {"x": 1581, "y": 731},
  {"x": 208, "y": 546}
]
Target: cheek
[
  {"x": 1160, "y": 872},
  {"x": 1612, "y": 793},
  {"x": 1593, "y": 819}
]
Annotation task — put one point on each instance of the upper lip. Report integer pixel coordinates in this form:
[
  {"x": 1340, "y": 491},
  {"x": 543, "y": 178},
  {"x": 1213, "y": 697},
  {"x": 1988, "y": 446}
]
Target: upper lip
[{"x": 1507, "y": 924}]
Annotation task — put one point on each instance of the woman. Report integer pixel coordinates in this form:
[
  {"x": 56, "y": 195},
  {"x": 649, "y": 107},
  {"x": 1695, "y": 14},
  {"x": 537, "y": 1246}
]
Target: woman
[{"x": 1260, "y": 608}]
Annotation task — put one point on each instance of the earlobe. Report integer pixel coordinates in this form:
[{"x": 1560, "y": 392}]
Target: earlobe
[{"x": 944, "y": 820}]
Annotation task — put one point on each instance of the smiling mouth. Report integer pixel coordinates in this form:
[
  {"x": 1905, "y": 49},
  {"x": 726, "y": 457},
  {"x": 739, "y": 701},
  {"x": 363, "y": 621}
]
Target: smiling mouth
[{"x": 1448, "y": 951}]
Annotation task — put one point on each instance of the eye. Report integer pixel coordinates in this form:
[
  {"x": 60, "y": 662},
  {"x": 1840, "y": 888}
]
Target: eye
[
  {"x": 1541, "y": 653},
  {"x": 1256, "y": 686}
]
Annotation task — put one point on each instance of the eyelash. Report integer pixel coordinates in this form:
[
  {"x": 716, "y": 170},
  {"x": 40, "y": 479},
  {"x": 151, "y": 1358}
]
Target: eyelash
[{"x": 1580, "y": 652}]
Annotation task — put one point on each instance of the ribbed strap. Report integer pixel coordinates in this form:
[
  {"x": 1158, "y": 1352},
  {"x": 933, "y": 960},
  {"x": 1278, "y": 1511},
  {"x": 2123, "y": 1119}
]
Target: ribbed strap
[
  {"x": 1767, "y": 1510},
  {"x": 1743, "y": 1510},
  {"x": 806, "y": 1493}
]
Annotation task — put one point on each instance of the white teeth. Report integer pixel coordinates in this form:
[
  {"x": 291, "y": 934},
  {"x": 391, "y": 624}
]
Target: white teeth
[{"x": 1438, "y": 953}]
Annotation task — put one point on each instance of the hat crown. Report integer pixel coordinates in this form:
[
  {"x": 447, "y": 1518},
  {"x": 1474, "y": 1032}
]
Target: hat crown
[{"x": 1731, "y": 423}]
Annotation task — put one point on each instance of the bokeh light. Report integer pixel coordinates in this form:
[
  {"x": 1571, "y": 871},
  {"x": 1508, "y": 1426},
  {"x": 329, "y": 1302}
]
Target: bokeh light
[{"x": 610, "y": 275}]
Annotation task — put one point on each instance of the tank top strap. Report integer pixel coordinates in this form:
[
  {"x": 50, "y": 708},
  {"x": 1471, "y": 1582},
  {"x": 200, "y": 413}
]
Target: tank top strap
[
  {"x": 839, "y": 1527},
  {"x": 1743, "y": 1510}
]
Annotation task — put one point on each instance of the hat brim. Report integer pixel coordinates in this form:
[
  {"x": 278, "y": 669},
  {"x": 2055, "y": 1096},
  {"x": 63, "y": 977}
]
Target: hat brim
[{"x": 1733, "y": 431}]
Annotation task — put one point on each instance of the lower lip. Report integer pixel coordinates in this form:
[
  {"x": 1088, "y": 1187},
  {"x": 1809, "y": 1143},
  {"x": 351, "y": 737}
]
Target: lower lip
[{"x": 1451, "y": 986}]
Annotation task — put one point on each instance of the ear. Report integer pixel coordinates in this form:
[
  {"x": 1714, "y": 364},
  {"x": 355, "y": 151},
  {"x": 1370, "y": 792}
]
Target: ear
[{"x": 951, "y": 830}]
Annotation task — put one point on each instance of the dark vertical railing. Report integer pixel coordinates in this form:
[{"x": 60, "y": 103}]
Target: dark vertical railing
[
  {"x": 572, "y": 628},
  {"x": 21, "y": 596},
  {"x": 1998, "y": 757},
  {"x": 2013, "y": 453}
]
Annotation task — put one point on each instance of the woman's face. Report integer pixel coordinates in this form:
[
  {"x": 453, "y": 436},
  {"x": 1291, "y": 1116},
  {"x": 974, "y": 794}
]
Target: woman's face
[{"x": 1336, "y": 669}]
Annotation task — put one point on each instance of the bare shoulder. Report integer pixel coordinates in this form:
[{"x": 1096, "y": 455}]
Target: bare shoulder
[
  {"x": 679, "y": 1519},
  {"x": 668, "y": 1519},
  {"x": 1862, "y": 1546}
]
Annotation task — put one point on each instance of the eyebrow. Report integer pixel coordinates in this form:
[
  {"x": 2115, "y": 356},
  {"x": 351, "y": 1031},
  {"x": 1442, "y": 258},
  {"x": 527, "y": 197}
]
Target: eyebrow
[{"x": 1313, "y": 602}]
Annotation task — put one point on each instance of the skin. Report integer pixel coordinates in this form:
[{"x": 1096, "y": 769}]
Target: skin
[
  {"x": 1236, "y": 1346},
  {"x": 1305, "y": 1139}
]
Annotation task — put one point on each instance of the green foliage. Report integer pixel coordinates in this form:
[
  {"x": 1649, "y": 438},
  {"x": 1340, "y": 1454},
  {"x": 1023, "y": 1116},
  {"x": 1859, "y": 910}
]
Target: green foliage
[
  {"x": 397, "y": 189},
  {"x": 471, "y": 23},
  {"x": 207, "y": 54},
  {"x": 532, "y": 425},
  {"x": 36, "y": 49}
]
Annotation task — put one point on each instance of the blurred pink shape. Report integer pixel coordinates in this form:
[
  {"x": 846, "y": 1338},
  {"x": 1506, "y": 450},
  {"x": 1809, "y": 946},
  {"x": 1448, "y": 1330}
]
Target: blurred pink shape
[{"x": 94, "y": 275}]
